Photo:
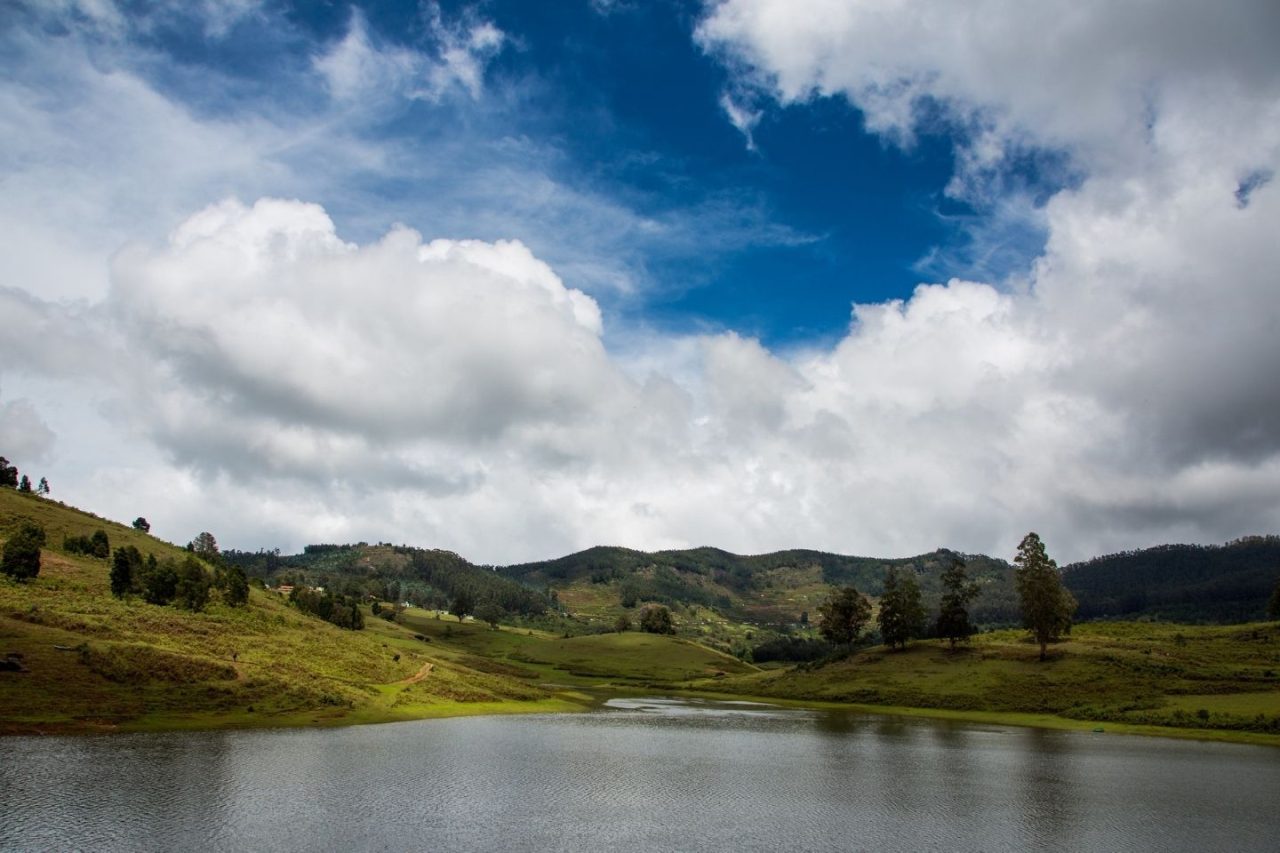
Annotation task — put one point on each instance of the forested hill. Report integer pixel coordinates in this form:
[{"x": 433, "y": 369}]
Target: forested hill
[
  {"x": 425, "y": 577},
  {"x": 764, "y": 587},
  {"x": 1187, "y": 583}
]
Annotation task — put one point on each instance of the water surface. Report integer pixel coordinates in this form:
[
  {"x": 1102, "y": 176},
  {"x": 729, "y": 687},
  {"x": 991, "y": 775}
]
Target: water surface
[{"x": 643, "y": 774}]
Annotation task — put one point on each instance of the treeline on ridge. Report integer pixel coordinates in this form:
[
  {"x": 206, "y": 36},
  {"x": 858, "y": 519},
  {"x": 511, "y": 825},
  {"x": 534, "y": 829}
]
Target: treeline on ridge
[{"x": 428, "y": 578}]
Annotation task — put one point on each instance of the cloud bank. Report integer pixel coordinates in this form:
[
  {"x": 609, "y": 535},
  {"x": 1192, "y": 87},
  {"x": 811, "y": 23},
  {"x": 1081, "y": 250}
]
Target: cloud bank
[{"x": 289, "y": 384}]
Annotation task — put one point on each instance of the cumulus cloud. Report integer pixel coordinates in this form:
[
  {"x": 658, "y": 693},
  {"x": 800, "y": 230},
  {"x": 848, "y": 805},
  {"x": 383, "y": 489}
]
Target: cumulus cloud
[
  {"x": 299, "y": 384},
  {"x": 302, "y": 387},
  {"x": 1128, "y": 369}
]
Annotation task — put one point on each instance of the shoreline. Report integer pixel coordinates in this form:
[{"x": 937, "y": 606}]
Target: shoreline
[{"x": 586, "y": 699}]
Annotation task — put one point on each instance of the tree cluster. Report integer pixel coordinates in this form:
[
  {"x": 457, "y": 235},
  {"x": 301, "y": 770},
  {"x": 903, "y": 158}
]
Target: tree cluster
[
  {"x": 656, "y": 619},
  {"x": 98, "y": 545},
  {"x": 340, "y": 610},
  {"x": 9, "y": 477}
]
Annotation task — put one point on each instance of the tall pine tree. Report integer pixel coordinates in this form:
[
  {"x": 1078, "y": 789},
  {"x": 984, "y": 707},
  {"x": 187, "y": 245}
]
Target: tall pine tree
[
  {"x": 1047, "y": 606},
  {"x": 953, "y": 614}
]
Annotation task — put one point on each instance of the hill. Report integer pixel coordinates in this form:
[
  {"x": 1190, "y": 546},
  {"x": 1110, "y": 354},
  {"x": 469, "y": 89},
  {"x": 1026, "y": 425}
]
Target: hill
[
  {"x": 79, "y": 659},
  {"x": 771, "y": 590},
  {"x": 1184, "y": 583}
]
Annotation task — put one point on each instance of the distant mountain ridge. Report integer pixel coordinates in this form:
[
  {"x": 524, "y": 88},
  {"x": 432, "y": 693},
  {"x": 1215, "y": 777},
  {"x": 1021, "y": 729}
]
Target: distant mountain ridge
[{"x": 1190, "y": 583}]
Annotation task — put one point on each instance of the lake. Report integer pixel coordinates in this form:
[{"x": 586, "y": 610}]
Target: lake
[{"x": 642, "y": 775}]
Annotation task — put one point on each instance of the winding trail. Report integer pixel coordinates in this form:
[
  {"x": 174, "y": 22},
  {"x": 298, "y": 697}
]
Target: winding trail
[{"x": 417, "y": 676}]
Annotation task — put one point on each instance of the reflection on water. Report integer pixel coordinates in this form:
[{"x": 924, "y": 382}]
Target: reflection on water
[{"x": 650, "y": 774}]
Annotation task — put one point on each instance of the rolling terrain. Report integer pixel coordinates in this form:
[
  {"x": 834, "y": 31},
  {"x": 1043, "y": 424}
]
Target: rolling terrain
[
  {"x": 81, "y": 660},
  {"x": 90, "y": 662}
]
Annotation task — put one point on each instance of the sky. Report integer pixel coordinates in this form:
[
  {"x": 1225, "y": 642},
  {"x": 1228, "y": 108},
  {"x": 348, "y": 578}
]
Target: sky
[{"x": 516, "y": 279}]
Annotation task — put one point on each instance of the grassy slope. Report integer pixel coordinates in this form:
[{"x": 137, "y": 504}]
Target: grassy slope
[
  {"x": 137, "y": 666},
  {"x": 1212, "y": 679},
  {"x": 595, "y": 660}
]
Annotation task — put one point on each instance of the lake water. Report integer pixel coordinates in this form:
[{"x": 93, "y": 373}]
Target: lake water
[{"x": 639, "y": 775}]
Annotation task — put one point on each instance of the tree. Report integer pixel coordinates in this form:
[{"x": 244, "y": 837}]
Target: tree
[
  {"x": 843, "y": 615},
  {"x": 656, "y": 619},
  {"x": 957, "y": 593},
  {"x": 8, "y": 474},
  {"x": 489, "y": 612},
  {"x": 622, "y": 623},
  {"x": 21, "y": 558},
  {"x": 126, "y": 570},
  {"x": 43, "y": 488},
  {"x": 159, "y": 581},
  {"x": 1273, "y": 606},
  {"x": 205, "y": 547},
  {"x": 901, "y": 613},
  {"x": 100, "y": 545},
  {"x": 193, "y": 586},
  {"x": 142, "y": 524},
  {"x": 1047, "y": 606},
  {"x": 463, "y": 604},
  {"x": 235, "y": 587},
  {"x": 24, "y": 485}
]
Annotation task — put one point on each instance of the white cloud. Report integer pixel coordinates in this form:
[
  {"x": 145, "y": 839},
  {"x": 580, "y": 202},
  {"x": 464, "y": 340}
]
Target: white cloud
[
  {"x": 1138, "y": 347},
  {"x": 742, "y": 117},
  {"x": 24, "y": 436},
  {"x": 358, "y": 69},
  {"x": 298, "y": 383}
]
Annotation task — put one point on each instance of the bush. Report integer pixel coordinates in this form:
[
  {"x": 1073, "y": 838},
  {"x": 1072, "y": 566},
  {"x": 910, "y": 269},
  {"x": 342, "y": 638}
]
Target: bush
[
  {"x": 159, "y": 581},
  {"x": 656, "y": 619},
  {"x": 193, "y": 586},
  {"x": 21, "y": 559}
]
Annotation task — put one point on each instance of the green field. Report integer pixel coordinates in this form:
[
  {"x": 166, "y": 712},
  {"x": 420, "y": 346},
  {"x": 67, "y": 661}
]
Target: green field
[
  {"x": 594, "y": 660},
  {"x": 1206, "y": 678}
]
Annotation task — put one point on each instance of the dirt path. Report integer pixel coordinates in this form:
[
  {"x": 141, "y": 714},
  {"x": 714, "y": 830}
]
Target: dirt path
[{"x": 417, "y": 676}]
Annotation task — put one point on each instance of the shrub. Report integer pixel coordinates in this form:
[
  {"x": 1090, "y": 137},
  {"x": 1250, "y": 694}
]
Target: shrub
[{"x": 21, "y": 559}]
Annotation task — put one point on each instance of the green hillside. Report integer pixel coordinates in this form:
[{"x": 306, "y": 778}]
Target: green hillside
[
  {"x": 80, "y": 659},
  {"x": 1217, "y": 680}
]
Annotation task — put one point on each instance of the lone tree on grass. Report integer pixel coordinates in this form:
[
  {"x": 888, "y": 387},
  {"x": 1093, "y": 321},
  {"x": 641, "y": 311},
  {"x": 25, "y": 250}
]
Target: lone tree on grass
[
  {"x": 24, "y": 485},
  {"x": 489, "y": 612},
  {"x": 953, "y": 614},
  {"x": 463, "y": 605},
  {"x": 42, "y": 488},
  {"x": 1047, "y": 606},
  {"x": 142, "y": 524},
  {"x": 901, "y": 613},
  {"x": 622, "y": 623},
  {"x": 656, "y": 619},
  {"x": 843, "y": 615},
  {"x": 21, "y": 558}
]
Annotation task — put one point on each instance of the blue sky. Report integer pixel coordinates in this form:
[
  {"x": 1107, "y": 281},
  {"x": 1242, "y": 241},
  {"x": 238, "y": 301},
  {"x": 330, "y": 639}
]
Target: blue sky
[
  {"x": 620, "y": 103},
  {"x": 520, "y": 278}
]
